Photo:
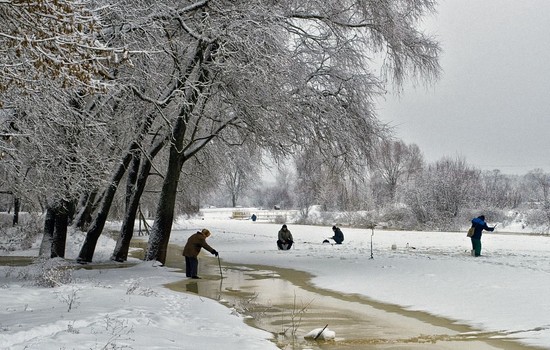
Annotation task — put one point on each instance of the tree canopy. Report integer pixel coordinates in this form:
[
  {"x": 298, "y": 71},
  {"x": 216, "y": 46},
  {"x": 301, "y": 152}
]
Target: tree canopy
[{"x": 280, "y": 76}]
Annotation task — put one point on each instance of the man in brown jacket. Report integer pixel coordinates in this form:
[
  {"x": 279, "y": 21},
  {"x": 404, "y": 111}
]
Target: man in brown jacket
[{"x": 192, "y": 249}]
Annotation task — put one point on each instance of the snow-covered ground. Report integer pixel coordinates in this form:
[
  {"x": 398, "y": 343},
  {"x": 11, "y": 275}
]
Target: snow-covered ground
[{"x": 505, "y": 290}]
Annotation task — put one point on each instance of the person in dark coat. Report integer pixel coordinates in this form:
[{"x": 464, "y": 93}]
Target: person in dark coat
[
  {"x": 338, "y": 235},
  {"x": 479, "y": 225},
  {"x": 285, "y": 240},
  {"x": 192, "y": 249}
]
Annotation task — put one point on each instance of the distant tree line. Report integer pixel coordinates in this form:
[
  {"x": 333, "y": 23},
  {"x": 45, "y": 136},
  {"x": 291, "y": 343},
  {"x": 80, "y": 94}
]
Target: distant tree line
[{"x": 399, "y": 189}]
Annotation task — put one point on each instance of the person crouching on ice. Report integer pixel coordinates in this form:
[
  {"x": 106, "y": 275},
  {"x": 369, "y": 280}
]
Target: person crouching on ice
[
  {"x": 338, "y": 235},
  {"x": 192, "y": 249},
  {"x": 285, "y": 239}
]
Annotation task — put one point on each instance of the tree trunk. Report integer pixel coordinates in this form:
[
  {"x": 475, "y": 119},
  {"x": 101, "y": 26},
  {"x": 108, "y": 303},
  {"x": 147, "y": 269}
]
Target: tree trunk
[
  {"x": 16, "y": 208},
  {"x": 55, "y": 231},
  {"x": 49, "y": 227},
  {"x": 88, "y": 248},
  {"x": 120, "y": 252},
  {"x": 60, "y": 233},
  {"x": 160, "y": 233},
  {"x": 196, "y": 83},
  {"x": 86, "y": 206},
  {"x": 122, "y": 246}
]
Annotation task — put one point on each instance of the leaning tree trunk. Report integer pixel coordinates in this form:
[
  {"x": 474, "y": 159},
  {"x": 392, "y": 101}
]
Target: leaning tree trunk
[
  {"x": 122, "y": 247},
  {"x": 196, "y": 82},
  {"x": 160, "y": 233},
  {"x": 96, "y": 228},
  {"x": 83, "y": 217},
  {"x": 127, "y": 231}
]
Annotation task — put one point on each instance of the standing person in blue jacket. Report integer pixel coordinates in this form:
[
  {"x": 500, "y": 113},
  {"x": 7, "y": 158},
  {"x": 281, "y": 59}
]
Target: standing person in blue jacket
[{"x": 479, "y": 225}]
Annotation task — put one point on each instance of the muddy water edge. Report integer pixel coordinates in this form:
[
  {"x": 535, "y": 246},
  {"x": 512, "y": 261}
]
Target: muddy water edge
[{"x": 285, "y": 303}]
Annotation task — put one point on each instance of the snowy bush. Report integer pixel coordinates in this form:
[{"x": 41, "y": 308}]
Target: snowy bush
[
  {"x": 319, "y": 218},
  {"x": 280, "y": 219},
  {"x": 118, "y": 330},
  {"x": 360, "y": 219},
  {"x": 69, "y": 297},
  {"x": 21, "y": 236},
  {"x": 135, "y": 288},
  {"x": 51, "y": 272},
  {"x": 401, "y": 218},
  {"x": 248, "y": 305},
  {"x": 538, "y": 220}
]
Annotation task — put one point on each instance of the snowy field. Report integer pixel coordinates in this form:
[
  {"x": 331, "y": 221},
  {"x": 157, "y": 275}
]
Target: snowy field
[{"x": 505, "y": 290}]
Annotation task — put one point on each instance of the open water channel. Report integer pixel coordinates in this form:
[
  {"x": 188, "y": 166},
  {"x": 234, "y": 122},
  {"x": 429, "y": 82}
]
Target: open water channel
[{"x": 286, "y": 303}]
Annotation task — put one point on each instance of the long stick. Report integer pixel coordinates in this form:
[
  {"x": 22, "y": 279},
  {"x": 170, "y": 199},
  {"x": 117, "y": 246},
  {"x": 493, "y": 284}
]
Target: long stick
[
  {"x": 220, "y": 265},
  {"x": 321, "y": 332},
  {"x": 371, "y": 256},
  {"x": 372, "y": 234}
]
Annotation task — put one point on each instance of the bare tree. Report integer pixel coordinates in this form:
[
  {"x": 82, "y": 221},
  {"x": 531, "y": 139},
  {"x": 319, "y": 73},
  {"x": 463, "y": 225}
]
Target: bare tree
[
  {"x": 442, "y": 191},
  {"x": 239, "y": 170},
  {"x": 540, "y": 182},
  {"x": 395, "y": 162},
  {"x": 501, "y": 190}
]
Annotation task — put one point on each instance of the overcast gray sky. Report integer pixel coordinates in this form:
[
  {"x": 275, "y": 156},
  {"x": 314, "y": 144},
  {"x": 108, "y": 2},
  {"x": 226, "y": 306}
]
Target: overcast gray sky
[{"x": 492, "y": 103}]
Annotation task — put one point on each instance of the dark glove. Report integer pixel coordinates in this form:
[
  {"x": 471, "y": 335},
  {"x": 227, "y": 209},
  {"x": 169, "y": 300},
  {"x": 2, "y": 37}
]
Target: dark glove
[{"x": 215, "y": 253}]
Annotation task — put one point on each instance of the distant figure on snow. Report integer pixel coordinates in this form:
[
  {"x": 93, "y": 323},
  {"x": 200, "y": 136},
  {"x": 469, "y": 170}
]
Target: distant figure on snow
[
  {"x": 479, "y": 225},
  {"x": 192, "y": 249},
  {"x": 338, "y": 235},
  {"x": 285, "y": 240}
]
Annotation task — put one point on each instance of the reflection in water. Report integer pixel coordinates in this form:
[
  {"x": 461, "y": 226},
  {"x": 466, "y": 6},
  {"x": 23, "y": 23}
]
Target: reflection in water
[{"x": 192, "y": 287}]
